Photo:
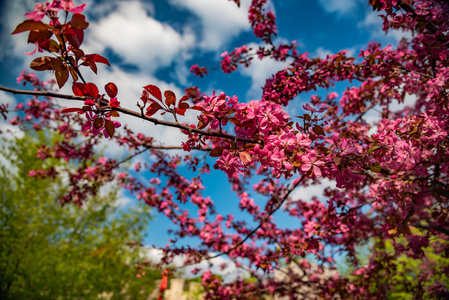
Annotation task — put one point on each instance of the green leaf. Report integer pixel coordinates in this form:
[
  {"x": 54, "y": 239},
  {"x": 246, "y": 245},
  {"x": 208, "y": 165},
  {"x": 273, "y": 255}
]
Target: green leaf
[
  {"x": 376, "y": 168},
  {"x": 373, "y": 148}
]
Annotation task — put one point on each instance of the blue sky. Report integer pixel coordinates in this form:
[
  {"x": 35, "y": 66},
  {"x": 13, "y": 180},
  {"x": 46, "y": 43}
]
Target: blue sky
[{"x": 156, "y": 42}]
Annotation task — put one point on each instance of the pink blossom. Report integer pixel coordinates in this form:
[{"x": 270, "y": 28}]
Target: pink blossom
[{"x": 311, "y": 162}]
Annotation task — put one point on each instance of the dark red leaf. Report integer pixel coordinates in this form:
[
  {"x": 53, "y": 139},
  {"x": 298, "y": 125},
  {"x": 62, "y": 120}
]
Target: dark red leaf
[
  {"x": 202, "y": 124},
  {"x": 151, "y": 112},
  {"x": 170, "y": 98},
  {"x": 114, "y": 114},
  {"x": 98, "y": 123},
  {"x": 245, "y": 156},
  {"x": 72, "y": 38},
  {"x": 78, "y": 53},
  {"x": 183, "y": 105},
  {"x": 54, "y": 46},
  {"x": 180, "y": 111},
  {"x": 73, "y": 73},
  {"x": 154, "y": 91},
  {"x": 39, "y": 36},
  {"x": 154, "y": 105},
  {"x": 184, "y": 98},
  {"x": 318, "y": 130},
  {"x": 76, "y": 34},
  {"x": 42, "y": 63},
  {"x": 92, "y": 90},
  {"x": 62, "y": 74},
  {"x": 79, "y": 22},
  {"x": 91, "y": 64},
  {"x": 216, "y": 152},
  {"x": 79, "y": 89},
  {"x": 109, "y": 125},
  {"x": 97, "y": 58},
  {"x": 93, "y": 67},
  {"x": 72, "y": 109},
  {"x": 30, "y": 25},
  {"x": 111, "y": 89},
  {"x": 144, "y": 97},
  {"x": 235, "y": 121}
]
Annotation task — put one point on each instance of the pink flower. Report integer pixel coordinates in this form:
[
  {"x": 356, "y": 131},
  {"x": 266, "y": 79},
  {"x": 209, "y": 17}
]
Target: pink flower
[
  {"x": 311, "y": 162},
  {"x": 68, "y": 5},
  {"x": 114, "y": 102},
  {"x": 198, "y": 71},
  {"x": 39, "y": 12},
  {"x": 103, "y": 160},
  {"x": 303, "y": 139},
  {"x": 310, "y": 108},
  {"x": 228, "y": 163}
]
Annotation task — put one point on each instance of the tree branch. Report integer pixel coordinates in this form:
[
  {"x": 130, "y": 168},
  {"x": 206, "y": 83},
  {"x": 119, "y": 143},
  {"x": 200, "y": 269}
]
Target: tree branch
[
  {"x": 134, "y": 114},
  {"x": 42, "y": 93},
  {"x": 364, "y": 112},
  {"x": 440, "y": 229},
  {"x": 290, "y": 190}
]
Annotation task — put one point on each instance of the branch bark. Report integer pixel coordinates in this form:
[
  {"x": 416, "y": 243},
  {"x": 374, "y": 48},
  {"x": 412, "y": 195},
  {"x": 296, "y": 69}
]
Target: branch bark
[{"x": 134, "y": 114}]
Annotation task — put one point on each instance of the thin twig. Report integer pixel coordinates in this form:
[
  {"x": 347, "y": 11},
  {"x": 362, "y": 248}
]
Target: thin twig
[
  {"x": 263, "y": 221},
  {"x": 363, "y": 113},
  {"x": 157, "y": 148}
]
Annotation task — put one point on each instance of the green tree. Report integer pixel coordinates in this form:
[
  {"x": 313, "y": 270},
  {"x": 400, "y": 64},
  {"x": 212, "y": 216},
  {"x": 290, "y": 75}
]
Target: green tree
[
  {"x": 421, "y": 277},
  {"x": 49, "y": 251}
]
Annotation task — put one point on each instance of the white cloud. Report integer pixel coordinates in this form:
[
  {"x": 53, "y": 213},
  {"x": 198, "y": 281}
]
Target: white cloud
[
  {"x": 229, "y": 274},
  {"x": 221, "y": 20},
  {"x": 16, "y": 44},
  {"x": 101, "y": 9},
  {"x": 137, "y": 38},
  {"x": 373, "y": 23},
  {"x": 259, "y": 71},
  {"x": 321, "y": 52},
  {"x": 308, "y": 192},
  {"x": 6, "y": 98},
  {"x": 340, "y": 7},
  {"x": 123, "y": 201}
]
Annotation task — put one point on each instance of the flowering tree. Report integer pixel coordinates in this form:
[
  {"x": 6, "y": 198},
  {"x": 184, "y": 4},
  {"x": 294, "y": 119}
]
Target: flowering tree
[{"x": 390, "y": 175}]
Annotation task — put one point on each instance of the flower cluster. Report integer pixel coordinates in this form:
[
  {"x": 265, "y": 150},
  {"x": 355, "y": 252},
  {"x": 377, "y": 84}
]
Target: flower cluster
[{"x": 382, "y": 170}]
